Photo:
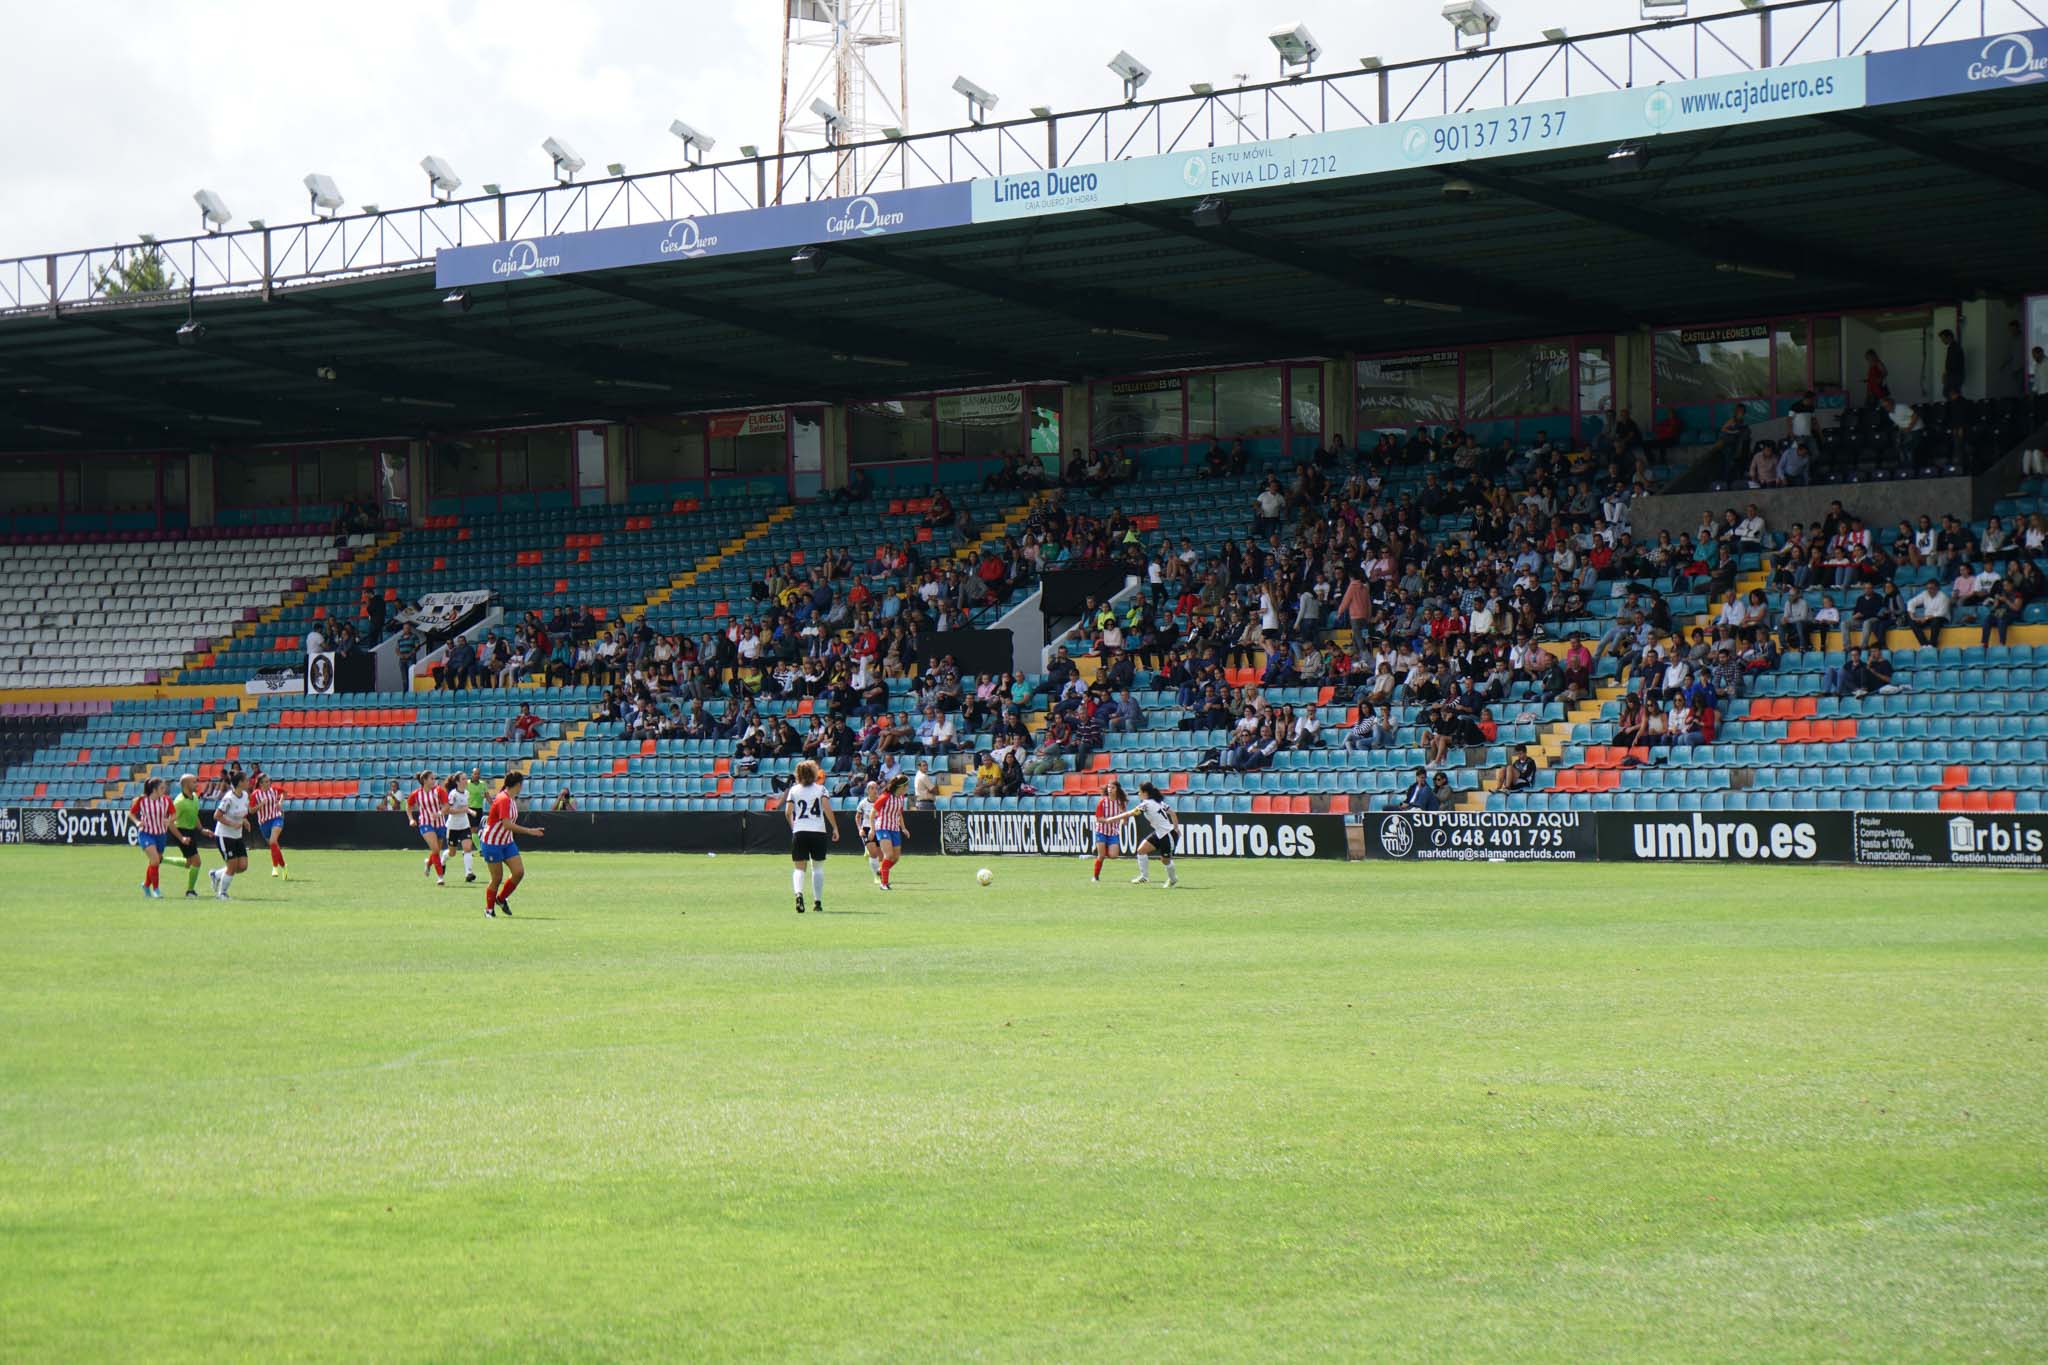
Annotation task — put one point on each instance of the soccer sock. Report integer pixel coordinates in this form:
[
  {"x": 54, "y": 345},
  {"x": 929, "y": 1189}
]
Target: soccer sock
[
  {"x": 1144, "y": 860},
  {"x": 225, "y": 878},
  {"x": 434, "y": 861},
  {"x": 817, "y": 883},
  {"x": 875, "y": 866},
  {"x": 192, "y": 874},
  {"x": 885, "y": 872},
  {"x": 468, "y": 863},
  {"x": 149, "y": 874},
  {"x": 1098, "y": 864},
  {"x": 490, "y": 897},
  {"x": 276, "y": 856},
  {"x": 511, "y": 885},
  {"x": 796, "y": 878}
]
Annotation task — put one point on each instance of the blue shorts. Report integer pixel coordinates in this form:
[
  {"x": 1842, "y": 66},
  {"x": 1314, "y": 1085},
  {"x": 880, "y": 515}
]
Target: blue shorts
[
  {"x": 438, "y": 831},
  {"x": 1108, "y": 840},
  {"x": 269, "y": 828},
  {"x": 155, "y": 841},
  {"x": 889, "y": 836},
  {"x": 498, "y": 853}
]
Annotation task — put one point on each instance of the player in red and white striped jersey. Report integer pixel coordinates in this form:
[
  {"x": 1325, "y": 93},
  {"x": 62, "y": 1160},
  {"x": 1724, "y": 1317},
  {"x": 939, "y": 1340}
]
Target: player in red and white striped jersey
[
  {"x": 151, "y": 812},
  {"x": 266, "y": 803},
  {"x": 500, "y": 846},
  {"x": 1108, "y": 827},
  {"x": 888, "y": 826},
  {"x": 428, "y": 809}
]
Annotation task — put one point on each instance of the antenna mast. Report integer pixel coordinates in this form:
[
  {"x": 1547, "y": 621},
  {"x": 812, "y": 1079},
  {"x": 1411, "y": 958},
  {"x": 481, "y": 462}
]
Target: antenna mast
[{"x": 836, "y": 52}]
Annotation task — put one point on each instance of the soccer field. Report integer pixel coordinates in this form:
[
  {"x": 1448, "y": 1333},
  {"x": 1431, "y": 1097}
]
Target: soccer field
[{"x": 1285, "y": 1111}]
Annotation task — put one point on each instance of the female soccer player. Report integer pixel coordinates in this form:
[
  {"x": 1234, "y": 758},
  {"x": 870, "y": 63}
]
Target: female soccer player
[
  {"x": 808, "y": 808},
  {"x": 185, "y": 829},
  {"x": 889, "y": 826},
  {"x": 151, "y": 812},
  {"x": 427, "y": 806},
  {"x": 864, "y": 829},
  {"x": 501, "y": 854},
  {"x": 1108, "y": 833},
  {"x": 266, "y": 799},
  {"x": 458, "y": 817},
  {"x": 1163, "y": 823},
  {"x": 231, "y": 829}
]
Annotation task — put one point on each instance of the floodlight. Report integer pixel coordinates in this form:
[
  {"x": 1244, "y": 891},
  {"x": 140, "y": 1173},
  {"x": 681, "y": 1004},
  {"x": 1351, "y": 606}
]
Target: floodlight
[
  {"x": 442, "y": 181},
  {"x": 567, "y": 163},
  {"x": 1134, "y": 73},
  {"x": 695, "y": 144},
  {"x": 827, "y": 111},
  {"x": 1211, "y": 213},
  {"x": 1473, "y": 19},
  {"x": 490, "y": 187},
  {"x": 614, "y": 168},
  {"x": 1202, "y": 88},
  {"x": 1041, "y": 111},
  {"x": 1752, "y": 4},
  {"x": 213, "y": 210},
  {"x": 148, "y": 238},
  {"x": 1296, "y": 46},
  {"x": 1555, "y": 35},
  {"x": 322, "y": 191},
  {"x": 257, "y": 223},
  {"x": 749, "y": 150},
  {"x": 1370, "y": 63},
  {"x": 979, "y": 101},
  {"x": 1662, "y": 9},
  {"x": 1458, "y": 189},
  {"x": 893, "y": 133},
  {"x": 457, "y": 300},
  {"x": 368, "y": 208},
  {"x": 189, "y": 331},
  {"x": 808, "y": 261},
  {"x": 1630, "y": 156}
]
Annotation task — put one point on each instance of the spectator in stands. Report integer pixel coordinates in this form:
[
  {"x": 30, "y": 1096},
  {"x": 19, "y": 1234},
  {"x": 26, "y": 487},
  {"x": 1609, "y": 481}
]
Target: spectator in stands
[
  {"x": 316, "y": 643},
  {"x": 1517, "y": 773},
  {"x": 1928, "y": 612},
  {"x": 1869, "y": 615},
  {"x": 936, "y": 735},
  {"x": 1795, "y": 619},
  {"x": 1954, "y": 368},
  {"x": 1374, "y": 730},
  {"x": 1793, "y": 464},
  {"x": 2006, "y": 606},
  {"x": 1419, "y": 795},
  {"x": 1911, "y": 432},
  {"x": 1847, "y": 678},
  {"x": 564, "y": 801},
  {"x": 1875, "y": 377},
  {"x": 458, "y": 666},
  {"x": 1732, "y": 444},
  {"x": 1973, "y": 587},
  {"x": 1763, "y": 466},
  {"x": 524, "y": 725}
]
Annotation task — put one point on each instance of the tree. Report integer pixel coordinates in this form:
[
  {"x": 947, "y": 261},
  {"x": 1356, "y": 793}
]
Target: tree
[{"x": 135, "y": 272}]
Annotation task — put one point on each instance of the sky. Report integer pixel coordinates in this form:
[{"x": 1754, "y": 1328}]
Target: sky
[{"x": 116, "y": 111}]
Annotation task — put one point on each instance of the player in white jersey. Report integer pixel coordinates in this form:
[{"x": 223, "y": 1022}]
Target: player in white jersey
[
  {"x": 231, "y": 829},
  {"x": 460, "y": 818},
  {"x": 864, "y": 826},
  {"x": 1161, "y": 825},
  {"x": 812, "y": 829}
]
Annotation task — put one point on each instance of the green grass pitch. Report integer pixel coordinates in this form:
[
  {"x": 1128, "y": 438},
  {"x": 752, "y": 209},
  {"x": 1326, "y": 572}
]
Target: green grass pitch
[{"x": 1288, "y": 1111}]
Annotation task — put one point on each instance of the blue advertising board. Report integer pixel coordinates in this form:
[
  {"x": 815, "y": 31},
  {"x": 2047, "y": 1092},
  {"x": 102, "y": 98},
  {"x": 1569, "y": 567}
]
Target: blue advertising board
[
  {"x": 884, "y": 213},
  {"x": 2006, "y": 61}
]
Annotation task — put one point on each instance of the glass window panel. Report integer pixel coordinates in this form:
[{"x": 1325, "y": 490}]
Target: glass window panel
[
  {"x": 667, "y": 449},
  {"x": 512, "y": 462},
  {"x": 1788, "y": 353},
  {"x": 176, "y": 486},
  {"x": 1045, "y": 422},
  {"x": 116, "y": 483},
  {"x": 253, "y": 478},
  {"x": 1712, "y": 364},
  {"x": 1248, "y": 403},
  {"x": 1518, "y": 380},
  {"x": 1596, "y": 378},
  {"x": 462, "y": 467},
  {"x": 347, "y": 474},
  {"x": 1827, "y": 355},
  {"x": 309, "y": 476},
  {"x": 28, "y": 483},
  {"x": 981, "y": 424},
  {"x": 878, "y": 433},
  {"x": 1138, "y": 412},
  {"x": 762, "y": 452},
  {"x": 1403, "y": 390},
  {"x": 1305, "y": 398},
  {"x": 547, "y": 459}
]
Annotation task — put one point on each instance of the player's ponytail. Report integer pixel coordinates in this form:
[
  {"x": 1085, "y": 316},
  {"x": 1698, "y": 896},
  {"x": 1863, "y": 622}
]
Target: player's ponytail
[
  {"x": 513, "y": 779},
  {"x": 1150, "y": 790}
]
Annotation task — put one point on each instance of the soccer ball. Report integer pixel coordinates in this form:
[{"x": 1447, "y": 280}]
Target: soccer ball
[{"x": 984, "y": 876}]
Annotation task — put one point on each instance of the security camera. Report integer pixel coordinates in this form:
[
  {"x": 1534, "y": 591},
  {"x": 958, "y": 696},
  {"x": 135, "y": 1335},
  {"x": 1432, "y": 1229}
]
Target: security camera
[{"x": 974, "y": 93}]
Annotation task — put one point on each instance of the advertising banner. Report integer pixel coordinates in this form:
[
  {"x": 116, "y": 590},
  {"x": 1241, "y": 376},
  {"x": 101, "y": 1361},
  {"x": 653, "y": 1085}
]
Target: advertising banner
[
  {"x": 1975, "y": 839},
  {"x": 270, "y": 681},
  {"x": 1581, "y": 121},
  {"x": 763, "y": 422},
  {"x": 1725, "y": 836},
  {"x": 50, "y": 825},
  {"x": 2007, "y": 61},
  {"x": 883, "y": 213},
  {"x": 1068, "y": 833},
  {"x": 1526, "y": 836},
  {"x": 320, "y": 677}
]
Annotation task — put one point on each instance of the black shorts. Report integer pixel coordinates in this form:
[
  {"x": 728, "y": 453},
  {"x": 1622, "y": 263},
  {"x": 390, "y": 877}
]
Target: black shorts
[
  {"x": 232, "y": 849},
  {"x": 187, "y": 841},
  {"x": 808, "y": 845},
  {"x": 1162, "y": 844}
]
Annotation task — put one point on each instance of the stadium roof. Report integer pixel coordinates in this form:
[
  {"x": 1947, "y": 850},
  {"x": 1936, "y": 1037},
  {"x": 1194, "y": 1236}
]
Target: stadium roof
[{"x": 1894, "y": 204}]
